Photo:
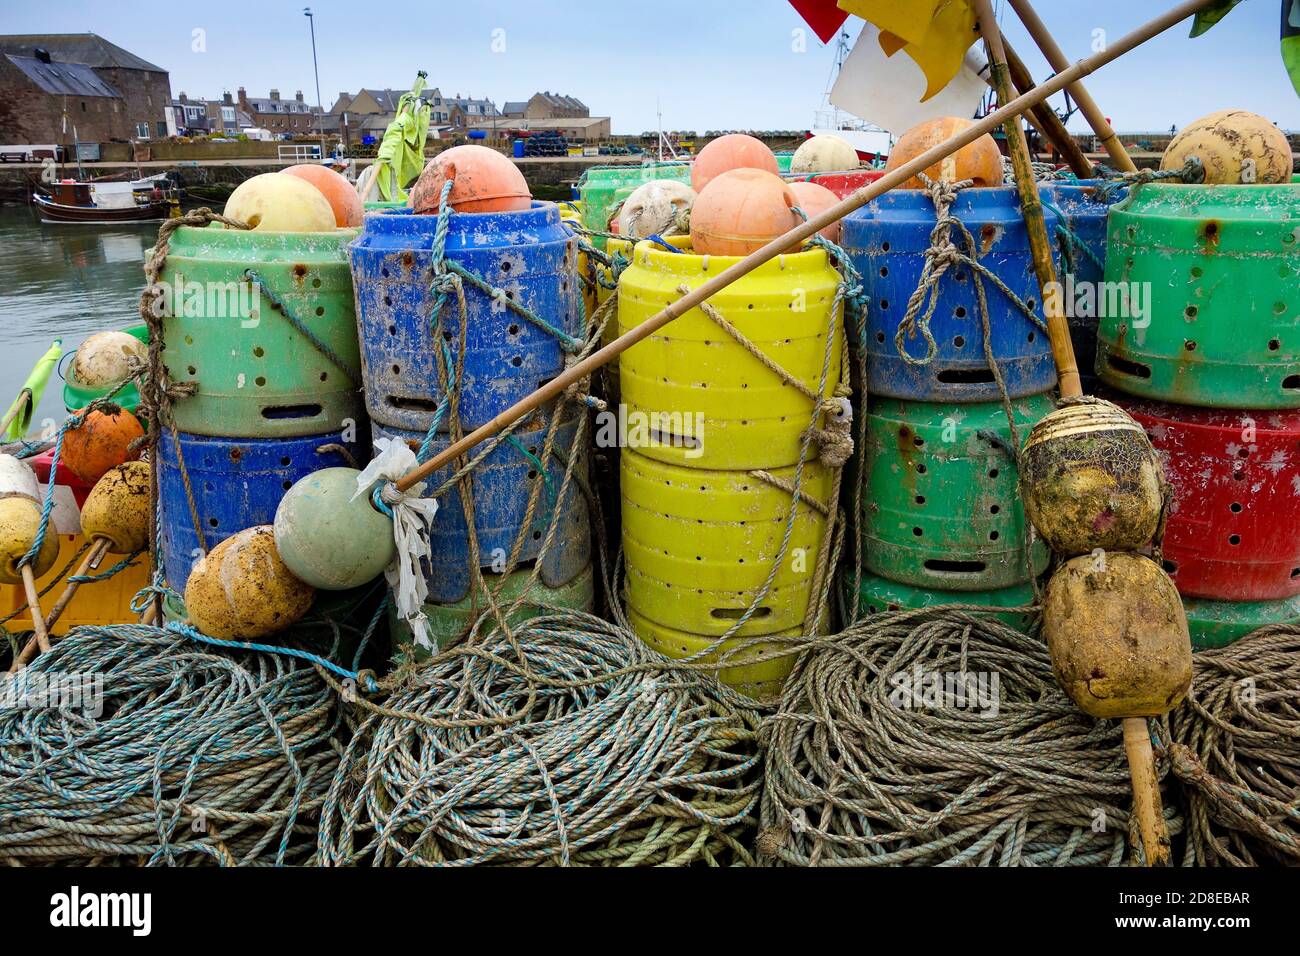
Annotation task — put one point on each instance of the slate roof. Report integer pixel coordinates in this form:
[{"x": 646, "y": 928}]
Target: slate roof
[
  {"x": 88, "y": 48},
  {"x": 75, "y": 79}
]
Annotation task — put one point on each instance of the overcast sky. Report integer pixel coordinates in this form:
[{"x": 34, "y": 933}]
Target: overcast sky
[{"x": 709, "y": 63}]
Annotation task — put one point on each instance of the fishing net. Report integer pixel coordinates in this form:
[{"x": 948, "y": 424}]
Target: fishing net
[
  {"x": 132, "y": 745},
  {"x": 1236, "y": 750},
  {"x": 561, "y": 741},
  {"x": 940, "y": 738}
]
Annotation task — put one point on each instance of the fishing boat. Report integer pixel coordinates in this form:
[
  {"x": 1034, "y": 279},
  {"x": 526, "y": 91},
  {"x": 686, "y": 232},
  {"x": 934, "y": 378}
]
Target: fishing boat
[{"x": 138, "y": 200}]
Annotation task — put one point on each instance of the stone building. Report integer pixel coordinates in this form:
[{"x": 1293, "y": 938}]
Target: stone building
[
  {"x": 547, "y": 106},
  {"x": 280, "y": 116},
  {"x": 106, "y": 92}
]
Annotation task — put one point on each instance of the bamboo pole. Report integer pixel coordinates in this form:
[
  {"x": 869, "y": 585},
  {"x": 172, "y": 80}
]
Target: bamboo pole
[
  {"x": 42, "y": 639},
  {"x": 1137, "y": 742},
  {"x": 1045, "y": 118},
  {"x": 1031, "y": 207},
  {"x": 795, "y": 236},
  {"x": 1087, "y": 105}
]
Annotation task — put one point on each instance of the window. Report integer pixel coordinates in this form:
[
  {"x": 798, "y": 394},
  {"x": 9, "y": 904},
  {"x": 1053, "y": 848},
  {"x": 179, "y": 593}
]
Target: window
[
  {"x": 83, "y": 106},
  {"x": 162, "y": 129},
  {"x": 142, "y": 130}
]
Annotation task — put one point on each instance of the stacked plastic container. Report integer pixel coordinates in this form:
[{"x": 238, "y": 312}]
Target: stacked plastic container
[
  {"x": 531, "y": 258},
  {"x": 1210, "y": 364},
  {"x": 703, "y": 531},
  {"x": 263, "y": 324},
  {"x": 940, "y": 516}
]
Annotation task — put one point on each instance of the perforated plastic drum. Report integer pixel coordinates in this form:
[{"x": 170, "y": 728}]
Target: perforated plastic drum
[
  {"x": 699, "y": 545},
  {"x": 1219, "y": 267},
  {"x": 529, "y": 255},
  {"x": 598, "y": 185},
  {"x": 1233, "y": 532},
  {"x": 877, "y": 595},
  {"x": 692, "y": 367},
  {"x": 503, "y": 483},
  {"x": 887, "y": 240},
  {"x": 1219, "y": 623},
  {"x": 941, "y": 507},
  {"x": 258, "y": 375},
  {"x": 841, "y": 184},
  {"x": 77, "y": 396},
  {"x": 236, "y": 482},
  {"x": 447, "y": 622}
]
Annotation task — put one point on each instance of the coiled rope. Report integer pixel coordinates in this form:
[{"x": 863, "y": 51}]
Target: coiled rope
[
  {"x": 865, "y": 767},
  {"x": 1236, "y": 750},
  {"x": 187, "y": 754},
  {"x": 555, "y": 742}
]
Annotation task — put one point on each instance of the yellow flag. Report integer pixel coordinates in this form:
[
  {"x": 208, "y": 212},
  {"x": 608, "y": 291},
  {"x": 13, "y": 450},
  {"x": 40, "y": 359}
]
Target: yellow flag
[{"x": 938, "y": 45}]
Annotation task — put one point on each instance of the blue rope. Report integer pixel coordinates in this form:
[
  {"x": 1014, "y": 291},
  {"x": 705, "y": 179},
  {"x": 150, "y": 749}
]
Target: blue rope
[
  {"x": 122, "y": 565},
  {"x": 47, "y": 507},
  {"x": 187, "y": 631}
]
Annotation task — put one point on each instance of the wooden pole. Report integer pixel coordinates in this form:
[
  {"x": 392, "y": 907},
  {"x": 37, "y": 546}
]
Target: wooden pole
[
  {"x": 1031, "y": 207},
  {"x": 89, "y": 562},
  {"x": 797, "y": 235},
  {"x": 24, "y": 398},
  {"x": 1137, "y": 742},
  {"x": 42, "y": 639},
  {"x": 1045, "y": 118},
  {"x": 1087, "y": 105}
]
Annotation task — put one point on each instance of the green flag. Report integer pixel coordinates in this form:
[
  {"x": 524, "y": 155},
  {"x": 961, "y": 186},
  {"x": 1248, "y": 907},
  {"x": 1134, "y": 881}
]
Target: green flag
[
  {"x": 29, "y": 396},
  {"x": 400, "y": 158},
  {"x": 1212, "y": 15},
  {"x": 1291, "y": 41}
]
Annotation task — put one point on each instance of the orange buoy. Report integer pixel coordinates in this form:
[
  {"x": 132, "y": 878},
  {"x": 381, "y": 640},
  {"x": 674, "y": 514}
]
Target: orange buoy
[
  {"x": 485, "y": 181},
  {"x": 338, "y": 192},
  {"x": 102, "y": 441},
  {"x": 980, "y": 161},
  {"x": 813, "y": 198},
  {"x": 741, "y": 210},
  {"x": 733, "y": 151}
]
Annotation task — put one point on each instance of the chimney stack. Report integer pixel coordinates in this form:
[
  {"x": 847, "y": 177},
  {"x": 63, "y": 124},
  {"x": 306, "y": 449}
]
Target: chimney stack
[{"x": 275, "y": 95}]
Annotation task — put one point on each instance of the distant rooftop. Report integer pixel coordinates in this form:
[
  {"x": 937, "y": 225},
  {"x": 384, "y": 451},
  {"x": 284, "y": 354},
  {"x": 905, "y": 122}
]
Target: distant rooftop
[
  {"x": 88, "y": 48},
  {"x": 75, "y": 79}
]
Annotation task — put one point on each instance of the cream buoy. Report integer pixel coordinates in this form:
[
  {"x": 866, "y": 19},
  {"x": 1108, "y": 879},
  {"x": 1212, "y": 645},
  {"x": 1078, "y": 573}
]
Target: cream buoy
[
  {"x": 20, "y": 522},
  {"x": 241, "y": 590}
]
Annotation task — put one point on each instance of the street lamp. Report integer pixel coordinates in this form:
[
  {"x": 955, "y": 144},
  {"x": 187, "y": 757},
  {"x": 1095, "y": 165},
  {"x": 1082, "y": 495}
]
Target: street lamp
[{"x": 320, "y": 110}]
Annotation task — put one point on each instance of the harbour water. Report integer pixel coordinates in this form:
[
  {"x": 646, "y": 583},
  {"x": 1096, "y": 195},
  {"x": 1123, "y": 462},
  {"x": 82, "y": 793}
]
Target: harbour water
[{"x": 65, "y": 282}]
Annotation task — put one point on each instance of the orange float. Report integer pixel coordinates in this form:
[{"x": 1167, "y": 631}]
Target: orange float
[
  {"x": 814, "y": 199},
  {"x": 485, "y": 181},
  {"x": 343, "y": 199},
  {"x": 101, "y": 442},
  {"x": 741, "y": 210},
  {"x": 980, "y": 161},
  {"x": 733, "y": 151}
]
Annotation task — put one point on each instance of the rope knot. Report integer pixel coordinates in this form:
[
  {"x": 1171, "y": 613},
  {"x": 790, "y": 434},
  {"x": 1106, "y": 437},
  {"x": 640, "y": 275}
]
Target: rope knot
[{"x": 835, "y": 440}]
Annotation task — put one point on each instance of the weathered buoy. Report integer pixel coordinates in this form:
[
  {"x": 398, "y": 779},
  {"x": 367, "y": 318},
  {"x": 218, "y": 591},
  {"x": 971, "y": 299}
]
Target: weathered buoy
[
  {"x": 104, "y": 359},
  {"x": 104, "y": 439},
  {"x": 979, "y": 161},
  {"x": 18, "y": 479},
  {"x": 824, "y": 154},
  {"x": 814, "y": 199},
  {"x": 241, "y": 590},
  {"x": 327, "y": 538},
  {"x": 20, "y": 519},
  {"x": 1234, "y": 147},
  {"x": 486, "y": 181},
  {"x": 740, "y": 211},
  {"x": 117, "y": 508},
  {"x": 274, "y": 202},
  {"x": 1117, "y": 635},
  {"x": 338, "y": 192},
  {"x": 733, "y": 151},
  {"x": 1090, "y": 479},
  {"x": 655, "y": 208}
]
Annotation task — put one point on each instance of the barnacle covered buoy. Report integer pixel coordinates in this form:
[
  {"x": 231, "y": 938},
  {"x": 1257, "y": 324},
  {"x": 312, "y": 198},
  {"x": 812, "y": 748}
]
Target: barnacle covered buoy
[
  {"x": 105, "y": 438},
  {"x": 485, "y": 181},
  {"x": 1090, "y": 479},
  {"x": 824, "y": 154},
  {"x": 338, "y": 192},
  {"x": 20, "y": 520},
  {"x": 1234, "y": 146},
  {"x": 104, "y": 359},
  {"x": 117, "y": 508},
  {"x": 814, "y": 199},
  {"x": 740, "y": 211},
  {"x": 1117, "y": 634},
  {"x": 274, "y": 202},
  {"x": 979, "y": 161},
  {"x": 242, "y": 590},
  {"x": 733, "y": 151},
  {"x": 654, "y": 208},
  {"x": 329, "y": 539}
]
